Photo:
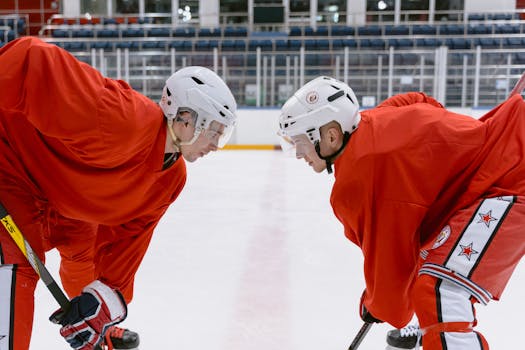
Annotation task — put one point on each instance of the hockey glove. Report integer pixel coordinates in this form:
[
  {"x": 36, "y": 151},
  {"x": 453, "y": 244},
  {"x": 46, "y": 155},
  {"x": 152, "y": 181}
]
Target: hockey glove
[
  {"x": 364, "y": 313},
  {"x": 90, "y": 315}
]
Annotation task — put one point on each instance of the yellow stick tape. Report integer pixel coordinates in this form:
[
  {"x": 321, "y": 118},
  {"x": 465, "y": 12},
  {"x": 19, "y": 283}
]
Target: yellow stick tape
[{"x": 15, "y": 233}]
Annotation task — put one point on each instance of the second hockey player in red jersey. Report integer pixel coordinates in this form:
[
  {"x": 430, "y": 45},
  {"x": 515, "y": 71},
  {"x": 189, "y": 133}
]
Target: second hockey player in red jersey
[{"x": 435, "y": 200}]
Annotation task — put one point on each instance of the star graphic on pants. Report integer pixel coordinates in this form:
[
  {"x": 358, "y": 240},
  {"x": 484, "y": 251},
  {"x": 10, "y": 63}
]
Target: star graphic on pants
[
  {"x": 486, "y": 218},
  {"x": 467, "y": 250}
]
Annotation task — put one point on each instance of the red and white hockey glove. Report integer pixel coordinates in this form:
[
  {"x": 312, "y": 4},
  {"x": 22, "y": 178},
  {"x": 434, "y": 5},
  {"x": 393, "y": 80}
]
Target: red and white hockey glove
[
  {"x": 364, "y": 313},
  {"x": 90, "y": 315}
]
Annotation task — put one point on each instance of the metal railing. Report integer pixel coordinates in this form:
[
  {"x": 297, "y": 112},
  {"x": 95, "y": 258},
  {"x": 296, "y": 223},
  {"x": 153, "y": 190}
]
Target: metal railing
[{"x": 462, "y": 78}]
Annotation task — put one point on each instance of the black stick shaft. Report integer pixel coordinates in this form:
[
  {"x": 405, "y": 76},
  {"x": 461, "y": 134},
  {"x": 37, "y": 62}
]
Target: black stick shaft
[{"x": 360, "y": 336}]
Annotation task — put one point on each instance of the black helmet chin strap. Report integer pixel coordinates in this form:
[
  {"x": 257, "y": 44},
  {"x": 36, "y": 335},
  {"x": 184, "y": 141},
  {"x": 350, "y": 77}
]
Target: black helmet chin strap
[{"x": 330, "y": 159}]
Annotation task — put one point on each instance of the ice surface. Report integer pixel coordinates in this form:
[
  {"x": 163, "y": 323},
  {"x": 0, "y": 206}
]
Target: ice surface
[{"x": 250, "y": 257}]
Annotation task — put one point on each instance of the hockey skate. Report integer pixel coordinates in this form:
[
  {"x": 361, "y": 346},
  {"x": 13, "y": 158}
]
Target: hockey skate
[
  {"x": 405, "y": 338},
  {"x": 119, "y": 338}
]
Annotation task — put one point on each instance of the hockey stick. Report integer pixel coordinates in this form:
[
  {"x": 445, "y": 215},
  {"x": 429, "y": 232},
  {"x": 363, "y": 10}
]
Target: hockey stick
[
  {"x": 360, "y": 335},
  {"x": 33, "y": 259},
  {"x": 518, "y": 88}
]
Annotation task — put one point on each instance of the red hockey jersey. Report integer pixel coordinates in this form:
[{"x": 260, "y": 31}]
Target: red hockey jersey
[
  {"x": 91, "y": 147},
  {"x": 407, "y": 168}
]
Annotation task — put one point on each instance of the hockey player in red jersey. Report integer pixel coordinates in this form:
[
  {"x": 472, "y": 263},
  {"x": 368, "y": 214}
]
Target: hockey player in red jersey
[
  {"x": 89, "y": 166},
  {"x": 435, "y": 200}
]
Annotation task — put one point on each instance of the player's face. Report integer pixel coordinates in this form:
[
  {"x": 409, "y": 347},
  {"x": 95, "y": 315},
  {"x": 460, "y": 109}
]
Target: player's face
[
  {"x": 304, "y": 149},
  {"x": 206, "y": 142}
]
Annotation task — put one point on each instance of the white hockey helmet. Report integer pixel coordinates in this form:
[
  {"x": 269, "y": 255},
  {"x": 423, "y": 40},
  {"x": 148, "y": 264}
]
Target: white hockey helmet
[
  {"x": 202, "y": 91},
  {"x": 317, "y": 103}
]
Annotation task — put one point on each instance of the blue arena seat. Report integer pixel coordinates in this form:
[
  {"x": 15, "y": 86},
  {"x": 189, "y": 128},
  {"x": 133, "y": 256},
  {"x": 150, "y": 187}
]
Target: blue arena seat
[
  {"x": 487, "y": 42},
  {"x": 214, "y": 44},
  {"x": 432, "y": 42},
  {"x": 135, "y": 45},
  {"x": 60, "y": 33},
  {"x": 107, "y": 33},
  {"x": 202, "y": 45},
  {"x": 75, "y": 46},
  {"x": 375, "y": 44},
  {"x": 337, "y": 44},
  {"x": 424, "y": 29},
  {"x": 240, "y": 45},
  {"x": 176, "y": 44},
  {"x": 351, "y": 43},
  {"x": 519, "y": 58},
  {"x": 228, "y": 45},
  {"x": 83, "y": 33},
  {"x": 101, "y": 45},
  {"x": 372, "y": 30},
  {"x": 209, "y": 32},
  {"x": 184, "y": 32},
  {"x": 475, "y": 17},
  {"x": 159, "y": 32},
  {"x": 203, "y": 32},
  {"x": 264, "y": 44},
  {"x": 342, "y": 30},
  {"x": 402, "y": 43},
  {"x": 281, "y": 45},
  {"x": 479, "y": 29},
  {"x": 242, "y": 31},
  {"x": 451, "y": 29},
  {"x": 229, "y": 31},
  {"x": 295, "y": 31},
  {"x": 294, "y": 44},
  {"x": 322, "y": 31},
  {"x": 235, "y": 31},
  {"x": 109, "y": 20},
  {"x": 502, "y": 16},
  {"x": 323, "y": 44},
  {"x": 150, "y": 45},
  {"x": 458, "y": 43},
  {"x": 310, "y": 44},
  {"x": 513, "y": 42},
  {"x": 308, "y": 31},
  {"x": 181, "y": 45},
  {"x": 123, "y": 45},
  {"x": 146, "y": 20},
  {"x": 187, "y": 45},
  {"x": 507, "y": 28},
  {"x": 133, "y": 32},
  {"x": 396, "y": 30}
]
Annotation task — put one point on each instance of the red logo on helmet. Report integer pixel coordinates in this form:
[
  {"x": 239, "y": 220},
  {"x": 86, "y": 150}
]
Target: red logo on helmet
[{"x": 312, "y": 97}]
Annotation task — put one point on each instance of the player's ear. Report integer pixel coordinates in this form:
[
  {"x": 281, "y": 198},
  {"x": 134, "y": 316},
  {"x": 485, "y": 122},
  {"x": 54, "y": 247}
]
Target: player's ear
[{"x": 334, "y": 136}]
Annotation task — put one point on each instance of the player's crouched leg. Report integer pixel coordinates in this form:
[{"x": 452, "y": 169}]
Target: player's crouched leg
[{"x": 452, "y": 328}]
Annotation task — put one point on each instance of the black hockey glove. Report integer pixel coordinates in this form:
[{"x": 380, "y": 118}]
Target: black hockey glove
[
  {"x": 364, "y": 313},
  {"x": 90, "y": 315}
]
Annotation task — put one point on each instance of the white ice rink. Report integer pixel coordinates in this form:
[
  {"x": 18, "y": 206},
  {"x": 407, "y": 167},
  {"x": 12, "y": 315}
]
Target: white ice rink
[{"x": 250, "y": 257}]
